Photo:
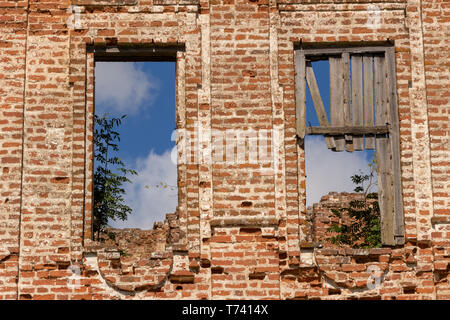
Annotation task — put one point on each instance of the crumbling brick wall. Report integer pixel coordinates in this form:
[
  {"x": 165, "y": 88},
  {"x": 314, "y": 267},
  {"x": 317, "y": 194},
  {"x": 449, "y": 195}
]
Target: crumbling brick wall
[
  {"x": 241, "y": 234},
  {"x": 141, "y": 243},
  {"x": 320, "y": 216}
]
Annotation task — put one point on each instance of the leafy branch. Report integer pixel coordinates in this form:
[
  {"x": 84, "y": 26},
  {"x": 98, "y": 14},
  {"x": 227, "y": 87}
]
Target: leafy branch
[
  {"x": 363, "y": 230},
  {"x": 108, "y": 182}
]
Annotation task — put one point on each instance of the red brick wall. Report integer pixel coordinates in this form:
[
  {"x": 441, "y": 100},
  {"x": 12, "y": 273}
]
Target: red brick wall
[
  {"x": 435, "y": 22},
  {"x": 13, "y": 38},
  {"x": 241, "y": 234}
]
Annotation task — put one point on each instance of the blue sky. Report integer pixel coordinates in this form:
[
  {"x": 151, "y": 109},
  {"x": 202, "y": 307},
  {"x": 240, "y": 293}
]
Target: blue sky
[
  {"x": 145, "y": 92},
  {"x": 149, "y": 125}
]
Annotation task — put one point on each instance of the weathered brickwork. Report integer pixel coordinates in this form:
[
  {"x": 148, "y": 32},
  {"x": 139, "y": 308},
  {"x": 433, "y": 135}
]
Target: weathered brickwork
[
  {"x": 237, "y": 233},
  {"x": 320, "y": 216}
]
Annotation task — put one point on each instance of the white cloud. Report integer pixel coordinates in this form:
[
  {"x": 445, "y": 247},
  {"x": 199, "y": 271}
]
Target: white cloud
[
  {"x": 123, "y": 87},
  {"x": 328, "y": 171},
  {"x": 150, "y": 204}
]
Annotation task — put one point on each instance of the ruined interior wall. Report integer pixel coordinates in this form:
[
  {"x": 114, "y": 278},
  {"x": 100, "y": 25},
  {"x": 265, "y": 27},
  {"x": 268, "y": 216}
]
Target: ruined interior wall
[
  {"x": 320, "y": 216},
  {"x": 243, "y": 234}
]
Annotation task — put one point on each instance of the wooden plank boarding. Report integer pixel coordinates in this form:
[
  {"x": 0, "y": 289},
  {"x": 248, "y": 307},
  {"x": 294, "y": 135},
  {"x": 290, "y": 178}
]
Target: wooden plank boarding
[
  {"x": 368, "y": 99},
  {"x": 300, "y": 93},
  {"x": 346, "y": 99},
  {"x": 357, "y": 98},
  {"x": 394, "y": 137},
  {"x": 364, "y": 104},
  {"x": 317, "y": 100},
  {"x": 336, "y": 99}
]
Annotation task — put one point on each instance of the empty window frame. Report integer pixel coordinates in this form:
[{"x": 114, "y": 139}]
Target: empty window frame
[
  {"x": 131, "y": 53},
  {"x": 363, "y": 104}
]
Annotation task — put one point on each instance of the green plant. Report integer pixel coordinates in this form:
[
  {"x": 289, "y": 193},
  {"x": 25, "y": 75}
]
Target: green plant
[
  {"x": 110, "y": 174},
  {"x": 363, "y": 230},
  {"x": 112, "y": 235}
]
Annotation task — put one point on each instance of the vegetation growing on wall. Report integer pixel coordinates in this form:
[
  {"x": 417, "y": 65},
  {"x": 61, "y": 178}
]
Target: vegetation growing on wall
[
  {"x": 110, "y": 174},
  {"x": 364, "y": 228}
]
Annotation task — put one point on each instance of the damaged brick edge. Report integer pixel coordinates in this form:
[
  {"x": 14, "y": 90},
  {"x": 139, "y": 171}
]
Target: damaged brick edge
[
  {"x": 359, "y": 261},
  {"x": 319, "y": 270},
  {"x": 93, "y": 252},
  {"x": 365, "y": 254},
  {"x": 4, "y": 254}
]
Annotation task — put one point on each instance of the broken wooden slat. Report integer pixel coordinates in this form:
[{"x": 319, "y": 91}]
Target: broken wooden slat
[
  {"x": 349, "y": 146},
  {"x": 346, "y": 99},
  {"x": 357, "y": 98},
  {"x": 399, "y": 233},
  {"x": 336, "y": 99},
  {"x": 300, "y": 94},
  {"x": 368, "y": 99},
  {"x": 317, "y": 100},
  {"x": 354, "y": 130}
]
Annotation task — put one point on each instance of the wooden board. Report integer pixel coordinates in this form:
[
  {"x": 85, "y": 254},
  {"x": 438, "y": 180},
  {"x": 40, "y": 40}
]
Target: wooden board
[
  {"x": 388, "y": 150},
  {"x": 385, "y": 190},
  {"x": 357, "y": 98},
  {"x": 354, "y": 130},
  {"x": 395, "y": 148},
  {"x": 346, "y": 99},
  {"x": 368, "y": 99},
  {"x": 383, "y": 163},
  {"x": 352, "y": 50},
  {"x": 336, "y": 99},
  {"x": 317, "y": 100},
  {"x": 300, "y": 94},
  {"x": 380, "y": 91}
]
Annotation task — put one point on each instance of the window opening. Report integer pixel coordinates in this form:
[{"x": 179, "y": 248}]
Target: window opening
[
  {"x": 143, "y": 91},
  {"x": 361, "y": 116}
]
